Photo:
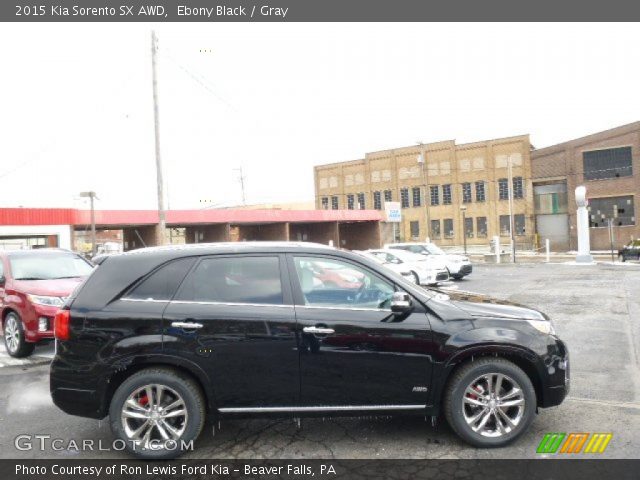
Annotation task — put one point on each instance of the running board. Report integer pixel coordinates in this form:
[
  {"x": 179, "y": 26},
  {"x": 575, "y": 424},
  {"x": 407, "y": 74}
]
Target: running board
[{"x": 340, "y": 408}]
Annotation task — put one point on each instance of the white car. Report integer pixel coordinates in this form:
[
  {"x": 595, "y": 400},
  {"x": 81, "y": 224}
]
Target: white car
[
  {"x": 458, "y": 265},
  {"x": 400, "y": 269},
  {"x": 424, "y": 270}
]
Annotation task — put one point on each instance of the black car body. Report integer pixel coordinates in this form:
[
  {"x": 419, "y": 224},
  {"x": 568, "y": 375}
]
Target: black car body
[
  {"x": 630, "y": 251},
  {"x": 249, "y": 330}
]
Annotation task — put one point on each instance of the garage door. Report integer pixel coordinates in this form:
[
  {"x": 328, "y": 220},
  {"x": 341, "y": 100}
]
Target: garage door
[{"x": 556, "y": 229}]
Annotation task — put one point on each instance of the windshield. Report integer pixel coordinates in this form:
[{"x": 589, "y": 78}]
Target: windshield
[
  {"x": 433, "y": 249},
  {"x": 48, "y": 266}
]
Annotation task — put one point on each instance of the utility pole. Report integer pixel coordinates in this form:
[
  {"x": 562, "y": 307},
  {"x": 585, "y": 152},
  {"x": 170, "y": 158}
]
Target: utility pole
[
  {"x": 422, "y": 160},
  {"x": 241, "y": 180},
  {"x": 511, "y": 229},
  {"x": 156, "y": 115},
  {"x": 463, "y": 209},
  {"x": 91, "y": 196}
]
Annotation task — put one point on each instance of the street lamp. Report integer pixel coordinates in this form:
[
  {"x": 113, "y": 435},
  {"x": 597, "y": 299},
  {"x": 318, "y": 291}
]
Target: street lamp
[
  {"x": 91, "y": 196},
  {"x": 463, "y": 209},
  {"x": 425, "y": 182}
]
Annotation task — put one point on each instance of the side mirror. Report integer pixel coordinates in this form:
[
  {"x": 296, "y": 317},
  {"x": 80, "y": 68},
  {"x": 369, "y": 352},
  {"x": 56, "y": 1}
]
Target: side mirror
[{"x": 401, "y": 302}]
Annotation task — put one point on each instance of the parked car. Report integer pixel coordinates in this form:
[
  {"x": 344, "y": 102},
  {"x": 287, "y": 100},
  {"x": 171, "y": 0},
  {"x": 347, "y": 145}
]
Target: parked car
[
  {"x": 424, "y": 271},
  {"x": 161, "y": 339},
  {"x": 400, "y": 269},
  {"x": 630, "y": 251},
  {"x": 458, "y": 265},
  {"x": 33, "y": 285}
]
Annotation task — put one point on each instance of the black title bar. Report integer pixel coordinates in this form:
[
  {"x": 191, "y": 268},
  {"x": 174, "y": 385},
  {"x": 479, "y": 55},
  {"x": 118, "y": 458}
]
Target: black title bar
[{"x": 318, "y": 10}]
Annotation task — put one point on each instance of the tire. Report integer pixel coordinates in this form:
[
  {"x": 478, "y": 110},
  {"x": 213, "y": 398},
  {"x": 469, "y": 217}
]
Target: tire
[
  {"x": 459, "y": 408},
  {"x": 416, "y": 278},
  {"x": 176, "y": 387},
  {"x": 457, "y": 277},
  {"x": 14, "y": 339}
]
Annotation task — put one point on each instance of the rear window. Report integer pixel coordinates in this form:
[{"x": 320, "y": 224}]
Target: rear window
[
  {"x": 234, "y": 280},
  {"x": 161, "y": 284},
  {"x": 48, "y": 266}
]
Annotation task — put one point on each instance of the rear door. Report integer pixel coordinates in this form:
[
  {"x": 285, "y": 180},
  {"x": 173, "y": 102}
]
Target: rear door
[
  {"x": 234, "y": 317},
  {"x": 354, "y": 352}
]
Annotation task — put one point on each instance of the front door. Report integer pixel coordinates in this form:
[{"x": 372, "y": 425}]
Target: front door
[
  {"x": 354, "y": 352},
  {"x": 233, "y": 316}
]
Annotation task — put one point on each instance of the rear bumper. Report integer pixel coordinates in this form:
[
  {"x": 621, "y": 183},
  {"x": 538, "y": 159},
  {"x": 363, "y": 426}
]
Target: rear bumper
[{"x": 78, "y": 391}]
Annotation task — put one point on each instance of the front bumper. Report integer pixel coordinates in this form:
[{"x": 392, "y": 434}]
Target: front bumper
[
  {"x": 558, "y": 375},
  {"x": 31, "y": 321}
]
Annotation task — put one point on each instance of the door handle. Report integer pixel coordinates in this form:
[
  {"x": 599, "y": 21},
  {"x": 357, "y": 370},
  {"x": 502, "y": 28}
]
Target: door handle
[
  {"x": 320, "y": 330},
  {"x": 187, "y": 325}
]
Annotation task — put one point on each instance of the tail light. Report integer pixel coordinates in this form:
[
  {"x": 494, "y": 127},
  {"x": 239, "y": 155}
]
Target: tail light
[{"x": 61, "y": 325}]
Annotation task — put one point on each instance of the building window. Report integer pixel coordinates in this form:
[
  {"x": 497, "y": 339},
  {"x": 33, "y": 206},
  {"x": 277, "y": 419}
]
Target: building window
[
  {"x": 415, "y": 194},
  {"x": 620, "y": 209},
  {"x": 404, "y": 198},
  {"x": 505, "y": 227},
  {"x": 415, "y": 229},
  {"x": 351, "y": 201},
  {"x": 377, "y": 201},
  {"x": 551, "y": 198},
  {"x": 435, "y": 228},
  {"x": 361, "y": 204},
  {"x": 447, "y": 225},
  {"x": 334, "y": 203},
  {"x": 503, "y": 189},
  {"x": 446, "y": 194},
  {"x": 435, "y": 195},
  {"x": 480, "y": 193},
  {"x": 518, "y": 191},
  {"x": 481, "y": 227},
  {"x": 325, "y": 203},
  {"x": 518, "y": 223},
  {"x": 466, "y": 192},
  {"x": 468, "y": 227},
  {"x": 388, "y": 196},
  {"x": 608, "y": 163}
]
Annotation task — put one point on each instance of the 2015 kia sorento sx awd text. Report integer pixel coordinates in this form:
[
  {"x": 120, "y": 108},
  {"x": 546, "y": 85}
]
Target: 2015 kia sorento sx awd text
[{"x": 161, "y": 339}]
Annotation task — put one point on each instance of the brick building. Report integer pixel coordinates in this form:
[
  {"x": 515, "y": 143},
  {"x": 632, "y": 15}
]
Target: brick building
[
  {"x": 608, "y": 164},
  {"x": 473, "y": 176}
]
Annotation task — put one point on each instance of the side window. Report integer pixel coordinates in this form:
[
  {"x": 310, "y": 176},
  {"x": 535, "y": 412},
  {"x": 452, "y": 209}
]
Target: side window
[
  {"x": 335, "y": 283},
  {"x": 1, "y": 268},
  {"x": 161, "y": 284},
  {"x": 234, "y": 280}
]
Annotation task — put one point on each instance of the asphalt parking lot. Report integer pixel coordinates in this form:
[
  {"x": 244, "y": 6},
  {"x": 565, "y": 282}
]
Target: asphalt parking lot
[{"x": 596, "y": 309}]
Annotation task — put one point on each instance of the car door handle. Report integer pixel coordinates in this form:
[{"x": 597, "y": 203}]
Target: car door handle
[
  {"x": 320, "y": 330},
  {"x": 187, "y": 325}
]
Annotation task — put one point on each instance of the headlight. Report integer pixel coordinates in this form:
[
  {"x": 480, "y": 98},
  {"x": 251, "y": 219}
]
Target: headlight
[
  {"x": 544, "y": 326},
  {"x": 45, "y": 300}
]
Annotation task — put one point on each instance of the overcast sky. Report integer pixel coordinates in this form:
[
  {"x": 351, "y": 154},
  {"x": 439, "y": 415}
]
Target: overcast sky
[{"x": 76, "y": 108}]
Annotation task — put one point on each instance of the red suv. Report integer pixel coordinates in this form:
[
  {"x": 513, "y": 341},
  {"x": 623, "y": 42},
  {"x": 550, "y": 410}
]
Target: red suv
[{"x": 33, "y": 285}]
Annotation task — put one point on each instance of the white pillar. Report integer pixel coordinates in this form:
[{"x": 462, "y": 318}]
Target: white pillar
[
  {"x": 496, "y": 243},
  {"x": 548, "y": 250},
  {"x": 582, "y": 220}
]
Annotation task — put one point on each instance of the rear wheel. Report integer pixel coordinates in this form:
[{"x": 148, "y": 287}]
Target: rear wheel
[
  {"x": 14, "y": 339},
  {"x": 490, "y": 402},
  {"x": 157, "y": 412}
]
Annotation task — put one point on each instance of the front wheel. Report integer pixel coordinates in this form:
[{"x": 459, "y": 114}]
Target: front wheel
[
  {"x": 14, "y": 339},
  {"x": 158, "y": 413},
  {"x": 416, "y": 278},
  {"x": 490, "y": 402}
]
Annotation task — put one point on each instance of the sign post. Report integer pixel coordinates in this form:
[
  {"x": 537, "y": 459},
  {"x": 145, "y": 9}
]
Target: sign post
[{"x": 393, "y": 212}]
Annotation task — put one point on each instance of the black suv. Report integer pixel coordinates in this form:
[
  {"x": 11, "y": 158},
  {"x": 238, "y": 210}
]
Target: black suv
[
  {"x": 631, "y": 251},
  {"x": 162, "y": 339}
]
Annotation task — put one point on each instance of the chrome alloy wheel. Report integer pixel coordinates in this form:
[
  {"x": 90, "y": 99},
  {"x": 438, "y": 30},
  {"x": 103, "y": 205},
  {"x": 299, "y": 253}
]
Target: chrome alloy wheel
[
  {"x": 12, "y": 334},
  {"x": 154, "y": 416},
  {"x": 493, "y": 405}
]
